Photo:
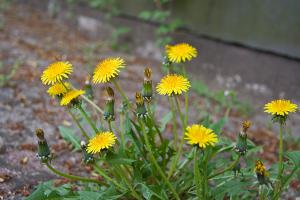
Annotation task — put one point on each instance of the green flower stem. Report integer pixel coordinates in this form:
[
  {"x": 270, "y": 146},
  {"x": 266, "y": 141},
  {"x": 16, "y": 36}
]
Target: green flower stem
[
  {"x": 117, "y": 86},
  {"x": 92, "y": 104},
  {"x": 280, "y": 163},
  {"x": 88, "y": 119},
  {"x": 105, "y": 176},
  {"x": 122, "y": 174},
  {"x": 179, "y": 152},
  {"x": 154, "y": 162},
  {"x": 78, "y": 178},
  {"x": 175, "y": 132},
  {"x": 85, "y": 135},
  {"x": 109, "y": 126},
  {"x": 262, "y": 195},
  {"x": 122, "y": 131},
  {"x": 197, "y": 177},
  {"x": 186, "y": 99},
  {"x": 230, "y": 167},
  {"x": 151, "y": 115},
  {"x": 180, "y": 113}
]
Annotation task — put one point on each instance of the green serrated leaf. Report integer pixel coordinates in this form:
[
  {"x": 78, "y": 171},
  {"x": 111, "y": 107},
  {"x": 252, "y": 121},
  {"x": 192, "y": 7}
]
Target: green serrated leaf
[{"x": 69, "y": 136}]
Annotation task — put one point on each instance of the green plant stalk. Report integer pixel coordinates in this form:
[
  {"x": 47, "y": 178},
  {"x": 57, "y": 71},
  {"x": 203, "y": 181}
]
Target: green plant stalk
[
  {"x": 230, "y": 167},
  {"x": 197, "y": 177},
  {"x": 105, "y": 176},
  {"x": 88, "y": 119},
  {"x": 180, "y": 113},
  {"x": 72, "y": 177},
  {"x": 109, "y": 126},
  {"x": 154, "y": 162},
  {"x": 186, "y": 99},
  {"x": 122, "y": 130},
  {"x": 278, "y": 187},
  {"x": 262, "y": 192},
  {"x": 117, "y": 86},
  {"x": 280, "y": 163},
  {"x": 175, "y": 132},
  {"x": 122, "y": 174},
  {"x": 179, "y": 152},
  {"x": 92, "y": 104},
  {"x": 85, "y": 135},
  {"x": 148, "y": 107}
]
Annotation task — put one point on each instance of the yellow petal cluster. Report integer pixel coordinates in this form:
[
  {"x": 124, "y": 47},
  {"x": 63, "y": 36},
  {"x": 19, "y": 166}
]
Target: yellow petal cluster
[
  {"x": 181, "y": 52},
  {"x": 103, "y": 140},
  {"x": 56, "y": 72},
  {"x": 201, "y": 136},
  {"x": 107, "y": 69},
  {"x": 69, "y": 96},
  {"x": 280, "y": 107},
  {"x": 173, "y": 84},
  {"x": 58, "y": 89}
]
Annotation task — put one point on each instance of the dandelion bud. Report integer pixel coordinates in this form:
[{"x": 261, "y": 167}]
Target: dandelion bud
[
  {"x": 88, "y": 88},
  {"x": 140, "y": 105},
  {"x": 261, "y": 173},
  {"x": 87, "y": 157},
  {"x": 147, "y": 85},
  {"x": 241, "y": 146},
  {"x": 43, "y": 149},
  {"x": 109, "y": 109}
]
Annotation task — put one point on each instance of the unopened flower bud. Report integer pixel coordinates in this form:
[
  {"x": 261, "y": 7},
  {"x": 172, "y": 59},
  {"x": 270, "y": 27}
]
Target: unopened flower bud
[
  {"x": 87, "y": 157},
  {"x": 147, "y": 91},
  {"x": 241, "y": 146},
  {"x": 109, "y": 108},
  {"x": 44, "y": 153},
  {"x": 88, "y": 88},
  {"x": 140, "y": 105},
  {"x": 261, "y": 173}
]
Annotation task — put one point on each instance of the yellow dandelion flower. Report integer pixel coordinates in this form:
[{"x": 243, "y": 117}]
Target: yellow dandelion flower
[
  {"x": 58, "y": 89},
  {"x": 107, "y": 69},
  {"x": 69, "y": 96},
  {"x": 102, "y": 140},
  {"x": 181, "y": 52},
  {"x": 200, "y": 135},
  {"x": 173, "y": 84},
  {"x": 56, "y": 72},
  {"x": 280, "y": 107}
]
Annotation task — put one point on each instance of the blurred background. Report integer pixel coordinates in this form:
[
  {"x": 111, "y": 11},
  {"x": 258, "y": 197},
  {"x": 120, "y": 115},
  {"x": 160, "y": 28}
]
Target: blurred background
[{"x": 249, "y": 54}]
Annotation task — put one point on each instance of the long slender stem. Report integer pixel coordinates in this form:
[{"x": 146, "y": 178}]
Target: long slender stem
[
  {"x": 186, "y": 99},
  {"x": 122, "y": 131},
  {"x": 230, "y": 167},
  {"x": 179, "y": 111},
  {"x": 197, "y": 177},
  {"x": 175, "y": 132},
  {"x": 92, "y": 104},
  {"x": 120, "y": 90},
  {"x": 88, "y": 119},
  {"x": 69, "y": 176},
  {"x": 179, "y": 152},
  {"x": 280, "y": 163},
  {"x": 85, "y": 135},
  {"x": 154, "y": 162}
]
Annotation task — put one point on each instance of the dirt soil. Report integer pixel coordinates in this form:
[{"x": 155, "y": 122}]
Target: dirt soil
[{"x": 34, "y": 39}]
